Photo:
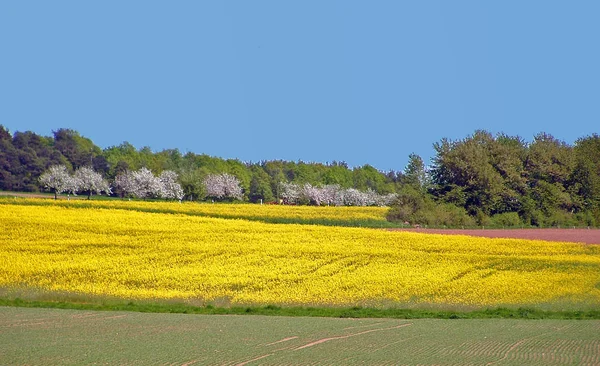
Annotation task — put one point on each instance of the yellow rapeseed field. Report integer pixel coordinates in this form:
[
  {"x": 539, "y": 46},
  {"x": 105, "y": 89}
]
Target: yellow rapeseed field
[
  {"x": 248, "y": 211},
  {"x": 140, "y": 255}
]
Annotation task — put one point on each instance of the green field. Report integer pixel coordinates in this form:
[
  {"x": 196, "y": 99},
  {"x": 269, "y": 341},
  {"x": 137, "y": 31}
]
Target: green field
[{"x": 75, "y": 337}]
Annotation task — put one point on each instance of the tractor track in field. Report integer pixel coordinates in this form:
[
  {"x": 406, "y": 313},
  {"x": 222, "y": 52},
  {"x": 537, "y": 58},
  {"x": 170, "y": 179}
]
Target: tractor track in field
[{"x": 74, "y": 337}]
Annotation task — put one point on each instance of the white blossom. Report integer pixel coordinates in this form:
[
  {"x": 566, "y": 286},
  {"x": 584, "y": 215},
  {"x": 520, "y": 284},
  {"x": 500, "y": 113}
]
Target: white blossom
[
  {"x": 354, "y": 197},
  {"x": 223, "y": 186},
  {"x": 57, "y": 179},
  {"x": 126, "y": 183},
  {"x": 370, "y": 197},
  {"x": 171, "y": 189},
  {"x": 332, "y": 195},
  {"x": 72, "y": 185},
  {"x": 145, "y": 184},
  {"x": 87, "y": 180},
  {"x": 387, "y": 199},
  {"x": 290, "y": 192},
  {"x": 311, "y": 194}
]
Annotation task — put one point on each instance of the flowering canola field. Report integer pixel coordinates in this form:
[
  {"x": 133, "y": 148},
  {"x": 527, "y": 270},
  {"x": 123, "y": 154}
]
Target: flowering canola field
[
  {"x": 355, "y": 216},
  {"x": 141, "y": 255}
]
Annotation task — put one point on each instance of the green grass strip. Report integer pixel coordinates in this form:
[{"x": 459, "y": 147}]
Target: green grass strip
[{"x": 354, "y": 312}]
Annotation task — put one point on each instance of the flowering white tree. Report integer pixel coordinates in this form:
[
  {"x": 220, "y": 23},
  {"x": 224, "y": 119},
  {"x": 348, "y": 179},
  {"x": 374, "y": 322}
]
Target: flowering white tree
[
  {"x": 223, "y": 186},
  {"x": 87, "y": 180},
  {"x": 333, "y": 195},
  {"x": 387, "y": 199},
  {"x": 125, "y": 182},
  {"x": 290, "y": 192},
  {"x": 371, "y": 198},
  {"x": 354, "y": 197},
  {"x": 143, "y": 184},
  {"x": 72, "y": 185},
  {"x": 171, "y": 189},
  {"x": 57, "y": 179},
  {"x": 316, "y": 195},
  {"x": 146, "y": 184}
]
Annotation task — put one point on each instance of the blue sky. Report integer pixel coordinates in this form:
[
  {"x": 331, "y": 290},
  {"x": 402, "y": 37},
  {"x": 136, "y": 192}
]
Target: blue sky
[{"x": 366, "y": 82}]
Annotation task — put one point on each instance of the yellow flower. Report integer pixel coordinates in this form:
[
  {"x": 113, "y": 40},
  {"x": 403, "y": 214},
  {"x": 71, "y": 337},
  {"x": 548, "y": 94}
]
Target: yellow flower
[{"x": 121, "y": 249}]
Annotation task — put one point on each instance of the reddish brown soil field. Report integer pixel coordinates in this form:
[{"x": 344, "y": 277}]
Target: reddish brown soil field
[{"x": 588, "y": 236}]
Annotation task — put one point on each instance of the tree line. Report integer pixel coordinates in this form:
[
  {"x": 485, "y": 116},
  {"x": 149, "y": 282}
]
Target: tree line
[
  {"x": 25, "y": 156},
  {"x": 502, "y": 180},
  {"x": 483, "y": 179}
]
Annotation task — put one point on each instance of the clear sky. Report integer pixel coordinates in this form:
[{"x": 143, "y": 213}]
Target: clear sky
[{"x": 366, "y": 82}]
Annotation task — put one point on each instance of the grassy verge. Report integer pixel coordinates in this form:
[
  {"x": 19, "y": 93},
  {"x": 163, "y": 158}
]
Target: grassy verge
[{"x": 354, "y": 312}]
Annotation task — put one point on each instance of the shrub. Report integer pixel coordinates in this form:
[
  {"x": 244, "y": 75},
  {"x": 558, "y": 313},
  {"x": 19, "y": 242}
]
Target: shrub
[
  {"x": 412, "y": 207},
  {"x": 560, "y": 218},
  {"x": 507, "y": 219}
]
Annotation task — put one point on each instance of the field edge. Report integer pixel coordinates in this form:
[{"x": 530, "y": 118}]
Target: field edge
[{"x": 328, "y": 312}]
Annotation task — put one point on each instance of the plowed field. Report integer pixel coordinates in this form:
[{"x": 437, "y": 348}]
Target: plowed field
[{"x": 588, "y": 236}]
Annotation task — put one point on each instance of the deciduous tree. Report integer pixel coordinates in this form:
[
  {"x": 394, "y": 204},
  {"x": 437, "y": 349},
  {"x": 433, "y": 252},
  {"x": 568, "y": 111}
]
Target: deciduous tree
[
  {"x": 88, "y": 180},
  {"x": 57, "y": 179},
  {"x": 146, "y": 185},
  {"x": 171, "y": 189},
  {"x": 223, "y": 186}
]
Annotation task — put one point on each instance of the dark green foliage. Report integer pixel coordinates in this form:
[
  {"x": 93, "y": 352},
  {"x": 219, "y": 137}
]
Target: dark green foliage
[
  {"x": 122, "y": 157},
  {"x": 338, "y": 173},
  {"x": 549, "y": 160},
  {"x": 469, "y": 164},
  {"x": 415, "y": 174},
  {"x": 367, "y": 177},
  {"x": 191, "y": 183},
  {"x": 241, "y": 171},
  {"x": 502, "y": 181},
  {"x": 417, "y": 208},
  {"x": 447, "y": 215},
  {"x": 407, "y": 204},
  {"x": 79, "y": 151},
  {"x": 584, "y": 183},
  {"x": 260, "y": 186},
  {"x": 23, "y": 158},
  {"x": 507, "y": 219}
]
